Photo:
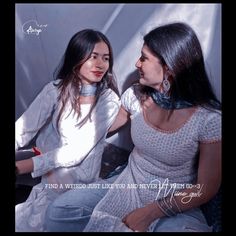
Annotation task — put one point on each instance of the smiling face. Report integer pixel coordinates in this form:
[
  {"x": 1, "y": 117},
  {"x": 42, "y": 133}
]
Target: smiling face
[
  {"x": 150, "y": 69},
  {"x": 95, "y": 67}
]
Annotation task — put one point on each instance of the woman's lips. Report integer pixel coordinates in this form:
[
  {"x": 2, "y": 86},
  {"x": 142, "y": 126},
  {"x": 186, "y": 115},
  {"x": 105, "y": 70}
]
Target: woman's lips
[
  {"x": 141, "y": 75},
  {"x": 97, "y": 73}
]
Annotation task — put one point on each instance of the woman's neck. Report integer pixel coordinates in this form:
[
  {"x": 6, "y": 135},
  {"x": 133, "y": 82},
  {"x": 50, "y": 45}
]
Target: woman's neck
[
  {"x": 165, "y": 101},
  {"x": 165, "y": 119},
  {"x": 86, "y": 99},
  {"x": 88, "y": 90}
]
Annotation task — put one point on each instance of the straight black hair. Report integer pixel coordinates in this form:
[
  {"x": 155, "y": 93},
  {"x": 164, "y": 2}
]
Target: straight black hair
[{"x": 177, "y": 47}]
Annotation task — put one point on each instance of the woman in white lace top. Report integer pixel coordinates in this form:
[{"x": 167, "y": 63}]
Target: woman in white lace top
[
  {"x": 71, "y": 116},
  {"x": 175, "y": 165}
]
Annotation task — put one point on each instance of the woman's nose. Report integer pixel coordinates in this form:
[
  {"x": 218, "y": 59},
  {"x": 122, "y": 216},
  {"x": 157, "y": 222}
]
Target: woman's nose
[
  {"x": 138, "y": 64},
  {"x": 100, "y": 62}
]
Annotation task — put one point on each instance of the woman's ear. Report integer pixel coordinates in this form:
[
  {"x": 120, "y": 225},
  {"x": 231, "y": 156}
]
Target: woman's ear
[
  {"x": 168, "y": 73},
  {"x": 166, "y": 70}
]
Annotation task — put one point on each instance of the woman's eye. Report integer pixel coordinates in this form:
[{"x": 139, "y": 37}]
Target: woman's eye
[
  {"x": 106, "y": 58},
  {"x": 142, "y": 58}
]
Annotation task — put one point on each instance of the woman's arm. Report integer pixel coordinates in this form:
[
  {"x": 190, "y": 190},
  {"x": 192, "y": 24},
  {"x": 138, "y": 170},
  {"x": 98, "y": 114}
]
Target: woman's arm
[
  {"x": 66, "y": 156},
  {"x": 208, "y": 183},
  {"x": 121, "y": 119},
  {"x": 79, "y": 146},
  {"x": 29, "y": 123}
]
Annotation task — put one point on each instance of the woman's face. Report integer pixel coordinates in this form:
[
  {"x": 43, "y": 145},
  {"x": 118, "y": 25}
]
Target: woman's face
[
  {"x": 93, "y": 70},
  {"x": 150, "y": 69}
]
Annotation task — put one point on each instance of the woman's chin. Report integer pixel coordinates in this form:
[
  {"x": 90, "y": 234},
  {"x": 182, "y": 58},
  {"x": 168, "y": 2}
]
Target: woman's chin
[{"x": 142, "y": 81}]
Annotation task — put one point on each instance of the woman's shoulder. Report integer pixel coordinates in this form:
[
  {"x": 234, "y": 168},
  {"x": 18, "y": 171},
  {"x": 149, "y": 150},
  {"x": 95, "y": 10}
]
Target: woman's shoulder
[
  {"x": 210, "y": 124},
  {"x": 51, "y": 88},
  {"x": 130, "y": 90},
  {"x": 130, "y": 93},
  {"x": 109, "y": 99},
  {"x": 209, "y": 113},
  {"x": 50, "y": 85},
  {"x": 129, "y": 99},
  {"x": 108, "y": 104},
  {"x": 111, "y": 95}
]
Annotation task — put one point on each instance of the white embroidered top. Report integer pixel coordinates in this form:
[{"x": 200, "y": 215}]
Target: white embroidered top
[
  {"x": 71, "y": 146},
  {"x": 71, "y": 154},
  {"x": 158, "y": 158}
]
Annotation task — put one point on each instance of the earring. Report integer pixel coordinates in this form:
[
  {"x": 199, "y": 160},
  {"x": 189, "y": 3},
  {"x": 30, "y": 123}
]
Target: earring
[{"x": 166, "y": 84}]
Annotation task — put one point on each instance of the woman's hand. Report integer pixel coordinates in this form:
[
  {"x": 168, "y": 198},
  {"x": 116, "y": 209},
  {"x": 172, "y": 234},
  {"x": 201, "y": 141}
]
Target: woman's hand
[
  {"x": 24, "y": 166},
  {"x": 139, "y": 219}
]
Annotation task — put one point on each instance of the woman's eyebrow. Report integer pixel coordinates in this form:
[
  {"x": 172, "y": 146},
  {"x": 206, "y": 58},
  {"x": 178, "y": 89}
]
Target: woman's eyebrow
[{"x": 105, "y": 54}]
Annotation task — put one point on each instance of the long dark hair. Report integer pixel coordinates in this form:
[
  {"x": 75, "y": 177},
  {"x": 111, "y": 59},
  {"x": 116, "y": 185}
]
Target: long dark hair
[
  {"x": 177, "y": 47},
  {"x": 78, "y": 51}
]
